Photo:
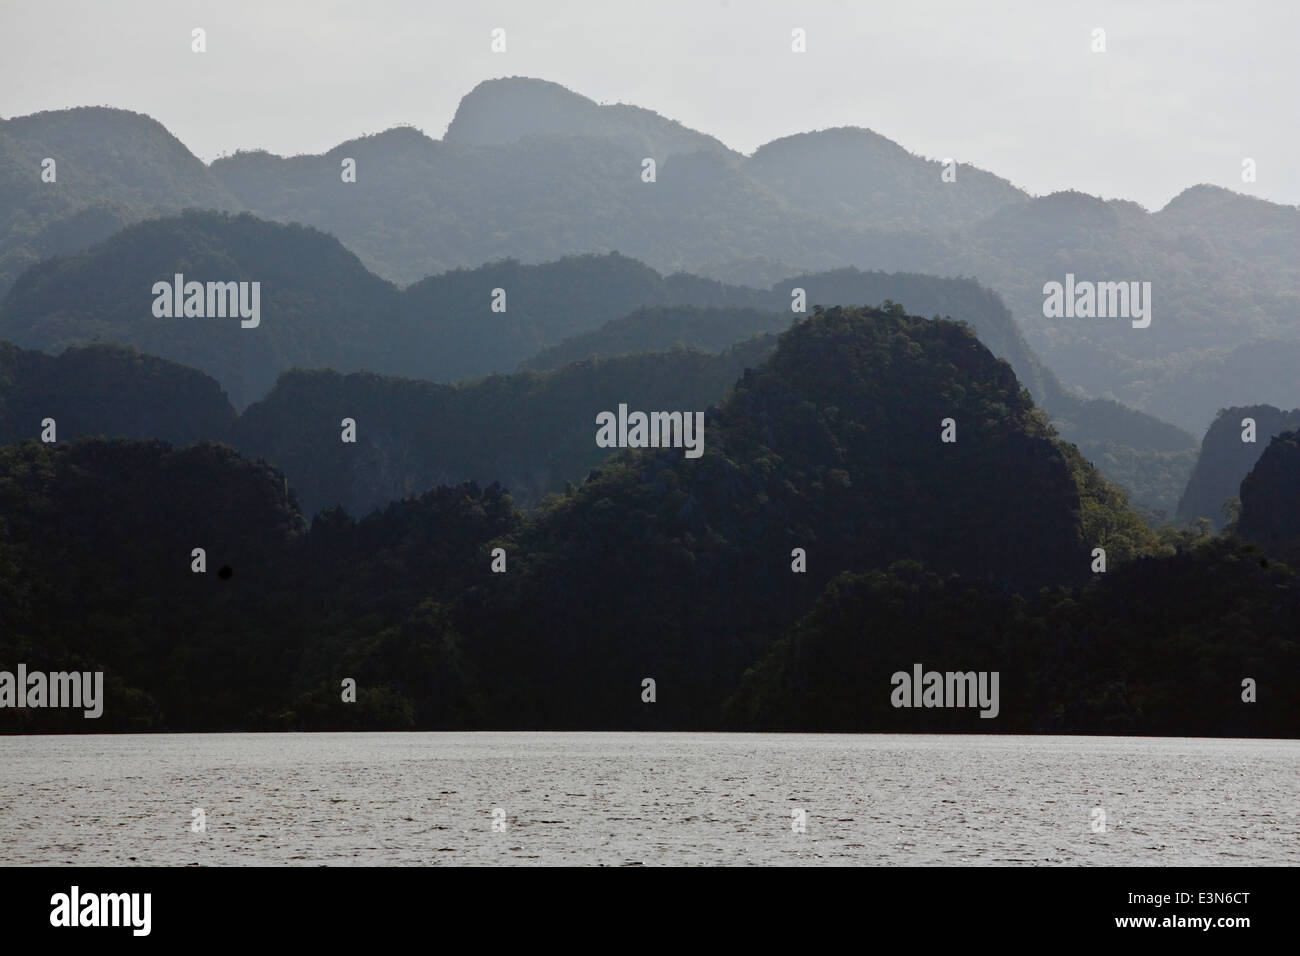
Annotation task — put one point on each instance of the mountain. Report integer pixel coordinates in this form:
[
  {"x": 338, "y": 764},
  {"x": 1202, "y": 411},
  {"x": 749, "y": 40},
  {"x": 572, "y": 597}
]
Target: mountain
[
  {"x": 318, "y": 304},
  {"x": 532, "y": 433},
  {"x": 660, "y": 564},
  {"x": 111, "y": 167},
  {"x": 1203, "y": 346},
  {"x": 1225, "y": 459},
  {"x": 681, "y": 569},
  {"x": 1149, "y": 458},
  {"x": 1159, "y": 648},
  {"x": 661, "y": 327},
  {"x": 1270, "y": 497},
  {"x": 322, "y": 308},
  {"x": 110, "y": 391},
  {"x": 533, "y": 172},
  {"x": 420, "y": 206},
  {"x": 863, "y": 177},
  {"x": 458, "y": 335},
  {"x": 530, "y": 170},
  {"x": 503, "y": 111},
  {"x": 96, "y": 562}
]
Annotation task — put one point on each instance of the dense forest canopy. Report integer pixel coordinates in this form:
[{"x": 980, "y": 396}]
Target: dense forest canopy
[{"x": 657, "y": 564}]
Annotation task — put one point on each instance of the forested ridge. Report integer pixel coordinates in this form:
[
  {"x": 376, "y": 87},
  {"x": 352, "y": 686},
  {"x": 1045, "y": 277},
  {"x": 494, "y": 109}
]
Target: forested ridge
[
  {"x": 394, "y": 476},
  {"x": 975, "y": 553},
  {"x": 322, "y": 309},
  {"x": 531, "y": 171}
]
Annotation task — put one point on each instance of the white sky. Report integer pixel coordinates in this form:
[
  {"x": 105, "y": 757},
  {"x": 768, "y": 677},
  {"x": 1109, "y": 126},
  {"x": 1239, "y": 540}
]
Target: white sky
[{"x": 1186, "y": 89}]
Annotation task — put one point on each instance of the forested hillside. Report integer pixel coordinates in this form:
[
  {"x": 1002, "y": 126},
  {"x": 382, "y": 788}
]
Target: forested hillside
[
  {"x": 320, "y": 308},
  {"x": 683, "y": 569}
]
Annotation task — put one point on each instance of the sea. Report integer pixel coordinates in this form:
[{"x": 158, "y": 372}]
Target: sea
[{"x": 646, "y": 799}]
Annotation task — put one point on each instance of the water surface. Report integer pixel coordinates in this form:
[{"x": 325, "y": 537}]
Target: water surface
[{"x": 652, "y": 799}]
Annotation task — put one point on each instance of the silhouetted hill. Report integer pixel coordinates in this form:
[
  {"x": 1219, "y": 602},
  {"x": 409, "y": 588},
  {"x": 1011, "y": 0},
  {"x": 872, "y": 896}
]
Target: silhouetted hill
[
  {"x": 1150, "y": 458},
  {"x": 1161, "y": 647},
  {"x": 832, "y": 446},
  {"x": 318, "y": 304},
  {"x": 109, "y": 391},
  {"x": 95, "y": 572},
  {"x": 321, "y": 308},
  {"x": 659, "y": 565},
  {"x": 1270, "y": 497},
  {"x": 460, "y": 337},
  {"x": 531, "y": 433},
  {"x": 1225, "y": 459},
  {"x": 658, "y": 328}
]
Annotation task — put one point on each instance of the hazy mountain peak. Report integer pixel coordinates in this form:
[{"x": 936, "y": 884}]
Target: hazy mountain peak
[
  {"x": 834, "y": 137},
  {"x": 1072, "y": 199},
  {"x": 396, "y": 138},
  {"x": 1204, "y": 198},
  {"x": 80, "y": 120},
  {"x": 508, "y": 109},
  {"x": 1064, "y": 210}
]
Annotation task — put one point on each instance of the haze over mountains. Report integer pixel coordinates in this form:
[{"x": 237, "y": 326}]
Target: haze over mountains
[
  {"x": 531, "y": 171},
  {"x": 471, "y": 305},
  {"x": 323, "y": 309}
]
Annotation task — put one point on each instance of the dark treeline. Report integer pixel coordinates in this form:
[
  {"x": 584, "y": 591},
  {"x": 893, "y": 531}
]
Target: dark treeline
[
  {"x": 532, "y": 432},
  {"x": 665, "y": 567}
]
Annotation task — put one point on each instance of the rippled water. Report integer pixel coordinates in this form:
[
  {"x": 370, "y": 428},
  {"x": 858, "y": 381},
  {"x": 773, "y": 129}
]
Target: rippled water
[{"x": 619, "y": 799}]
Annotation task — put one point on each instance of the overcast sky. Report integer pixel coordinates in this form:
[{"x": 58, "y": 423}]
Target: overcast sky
[{"x": 1184, "y": 91}]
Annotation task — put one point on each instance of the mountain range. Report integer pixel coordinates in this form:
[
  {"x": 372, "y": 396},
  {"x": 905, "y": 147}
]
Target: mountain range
[
  {"x": 321, "y": 308},
  {"x": 531, "y": 171},
  {"x": 825, "y": 470}
]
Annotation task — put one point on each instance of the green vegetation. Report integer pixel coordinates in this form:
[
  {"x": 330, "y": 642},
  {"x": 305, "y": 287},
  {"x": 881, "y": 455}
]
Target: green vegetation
[
  {"x": 531, "y": 432},
  {"x": 656, "y": 565},
  {"x": 1160, "y": 648},
  {"x": 110, "y": 391}
]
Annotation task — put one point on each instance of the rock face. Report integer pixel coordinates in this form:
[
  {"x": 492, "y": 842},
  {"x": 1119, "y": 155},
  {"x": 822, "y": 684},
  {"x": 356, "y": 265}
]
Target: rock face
[
  {"x": 1270, "y": 494},
  {"x": 1225, "y": 459}
]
